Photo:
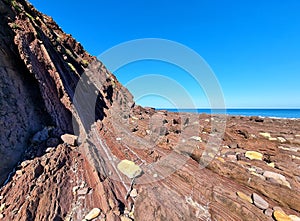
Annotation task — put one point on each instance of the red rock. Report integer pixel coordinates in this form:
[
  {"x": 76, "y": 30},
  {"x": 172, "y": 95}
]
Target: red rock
[{"x": 173, "y": 185}]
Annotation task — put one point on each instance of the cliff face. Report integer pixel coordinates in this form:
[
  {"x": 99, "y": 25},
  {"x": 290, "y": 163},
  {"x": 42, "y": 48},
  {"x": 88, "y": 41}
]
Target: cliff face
[{"x": 253, "y": 176}]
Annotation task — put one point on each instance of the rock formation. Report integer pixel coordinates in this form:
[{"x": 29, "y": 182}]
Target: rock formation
[{"x": 60, "y": 153}]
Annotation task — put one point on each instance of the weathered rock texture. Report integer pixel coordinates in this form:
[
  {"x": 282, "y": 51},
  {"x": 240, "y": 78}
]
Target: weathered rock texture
[{"x": 53, "y": 180}]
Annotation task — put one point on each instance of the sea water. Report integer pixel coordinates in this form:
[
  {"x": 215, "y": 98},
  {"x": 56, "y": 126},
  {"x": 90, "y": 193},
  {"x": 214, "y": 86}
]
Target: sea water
[{"x": 273, "y": 113}]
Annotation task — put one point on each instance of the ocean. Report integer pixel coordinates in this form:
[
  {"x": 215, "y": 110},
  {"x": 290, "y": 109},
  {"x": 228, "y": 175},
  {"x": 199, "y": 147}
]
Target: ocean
[{"x": 273, "y": 113}]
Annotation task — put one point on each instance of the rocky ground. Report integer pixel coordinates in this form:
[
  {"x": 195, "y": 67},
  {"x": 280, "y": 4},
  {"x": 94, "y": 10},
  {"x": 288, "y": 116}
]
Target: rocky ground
[{"x": 57, "y": 164}]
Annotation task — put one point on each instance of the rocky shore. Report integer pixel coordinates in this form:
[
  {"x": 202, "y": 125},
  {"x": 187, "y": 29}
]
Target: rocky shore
[{"x": 130, "y": 163}]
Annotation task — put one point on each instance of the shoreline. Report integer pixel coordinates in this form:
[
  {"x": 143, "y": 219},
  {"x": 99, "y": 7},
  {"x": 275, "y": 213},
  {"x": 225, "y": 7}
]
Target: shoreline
[{"x": 261, "y": 113}]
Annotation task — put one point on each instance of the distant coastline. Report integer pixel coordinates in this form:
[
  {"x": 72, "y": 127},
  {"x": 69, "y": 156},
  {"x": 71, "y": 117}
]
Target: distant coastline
[{"x": 247, "y": 112}]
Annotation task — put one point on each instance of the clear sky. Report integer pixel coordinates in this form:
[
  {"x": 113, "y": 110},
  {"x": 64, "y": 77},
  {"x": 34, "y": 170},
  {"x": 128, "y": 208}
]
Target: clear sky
[{"x": 253, "y": 46}]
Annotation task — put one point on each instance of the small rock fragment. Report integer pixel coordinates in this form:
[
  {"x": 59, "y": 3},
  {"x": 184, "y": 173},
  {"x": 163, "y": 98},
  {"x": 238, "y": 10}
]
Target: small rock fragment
[
  {"x": 220, "y": 159},
  {"x": 125, "y": 218},
  {"x": 2, "y": 207},
  {"x": 133, "y": 193},
  {"x": 129, "y": 168},
  {"x": 278, "y": 178},
  {"x": 243, "y": 196},
  {"x": 294, "y": 218},
  {"x": 232, "y": 157},
  {"x": 233, "y": 145},
  {"x": 196, "y": 138},
  {"x": 1, "y": 216},
  {"x": 25, "y": 163},
  {"x": 281, "y": 216},
  {"x": 265, "y": 135},
  {"x": 272, "y": 164},
  {"x": 19, "y": 172},
  {"x": 83, "y": 191},
  {"x": 259, "y": 202},
  {"x": 1, "y": 197},
  {"x": 69, "y": 139},
  {"x": 269, "y": 212},
  {"x": 74, "y": 190},
  {"x": 281, "y": 139},
  {"x": 49, "y": 149},
  {"x": 253, "y": 155},
  {"x": 111, "y": 203},
  {"x": 94, "y": 213},
  {"x": 272, "y": 139}
]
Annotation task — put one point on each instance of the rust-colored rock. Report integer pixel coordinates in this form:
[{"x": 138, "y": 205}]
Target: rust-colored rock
[{"x": 184, "y": 178}]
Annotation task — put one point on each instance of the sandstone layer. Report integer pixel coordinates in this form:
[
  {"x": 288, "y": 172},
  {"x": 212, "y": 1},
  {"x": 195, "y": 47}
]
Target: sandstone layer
[{"x": 61, "y": 153}]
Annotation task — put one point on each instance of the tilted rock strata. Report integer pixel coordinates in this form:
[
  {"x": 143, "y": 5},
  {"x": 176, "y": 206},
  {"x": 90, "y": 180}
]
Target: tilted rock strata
[{"x": 59, "y": 179}]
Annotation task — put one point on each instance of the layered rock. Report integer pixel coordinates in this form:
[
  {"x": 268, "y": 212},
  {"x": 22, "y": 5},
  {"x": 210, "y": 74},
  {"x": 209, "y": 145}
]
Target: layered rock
[{"x": 178, "y": 166}]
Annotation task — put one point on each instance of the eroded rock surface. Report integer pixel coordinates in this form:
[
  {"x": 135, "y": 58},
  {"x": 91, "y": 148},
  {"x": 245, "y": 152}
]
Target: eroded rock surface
[{"x": 190, "y": 167}]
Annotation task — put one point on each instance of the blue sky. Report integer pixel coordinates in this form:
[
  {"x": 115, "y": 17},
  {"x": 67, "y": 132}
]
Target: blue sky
[{"x": 253, "y": 47}]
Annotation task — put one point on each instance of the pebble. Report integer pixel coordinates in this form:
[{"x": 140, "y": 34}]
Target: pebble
[
  {"x": 294, "y": 218},
  {"x": 259, "y": 202},
  {"x": 243, "y": 196},
  {"x": 281, "y": 139},
  {"x": 94, "y": 213},
  {"x": 125, "y": 218},
  {"x": 2, "y": 207},
  {"x": 133, "y": 193},
  {"x": 25, "y": 163},
  {"x": 221, "y": 159},
  {"x": 74, "y": 190},
  {"x": 269, "y": 212},
  {"x": 19, "y": 172},
  {"x": 83, "y": 191},
  {"x": 69, "y": 139},
  {"x": 277, "y": 178},
  {"x": 1, "y": 216},
  {"x": 1, "y": 197},
  {"x": 272, "y": 139},
  {"x": 129, "y": 168},
  {"x": 272, "y": 164},
  {"x": 281, "y": 216},
  {"x": 233, "y": 145},
  {"x": 49, "y": 149},
  {"x": 196, "y": 138},
  {"x": 232, "y": 157},
  {"x": 265, "y": 135},
  {"x": 253, "y": 155}
]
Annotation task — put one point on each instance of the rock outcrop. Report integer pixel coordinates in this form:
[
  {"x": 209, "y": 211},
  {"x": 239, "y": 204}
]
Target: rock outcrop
[{"x": 61, "y": 161}]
